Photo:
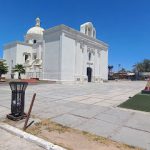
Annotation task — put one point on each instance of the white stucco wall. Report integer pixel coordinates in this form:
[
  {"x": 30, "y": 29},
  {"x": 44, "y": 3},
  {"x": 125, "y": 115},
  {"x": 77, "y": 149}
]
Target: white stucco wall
[
  {"x": 104, "y": 65},
  {"x": 67, "y": 58},
  {"x": 14, "y": 55},
  {"x": 78, "y": 61},
  {"x": 51, "y": 56},
  {"x": 96, "y": 64},
  {"x": 20, "y": 58},
  {"x": 84, "y": 69},
  {"x": 9, "y": 54}
]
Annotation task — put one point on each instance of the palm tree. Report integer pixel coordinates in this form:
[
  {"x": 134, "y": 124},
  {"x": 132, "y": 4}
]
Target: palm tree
[
  {"x": 20, "y": 69},
  {"x": 110, "y": 72},
  {"x": 146, "y": 65},
  {"x": 3, "y": 68},
  {"x": 143, "y": 66},
  {"x": 110, "y": 68}
]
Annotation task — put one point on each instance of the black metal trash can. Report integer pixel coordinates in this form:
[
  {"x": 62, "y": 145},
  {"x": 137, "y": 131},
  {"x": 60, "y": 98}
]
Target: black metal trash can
[{"x": 17, "y": 100}]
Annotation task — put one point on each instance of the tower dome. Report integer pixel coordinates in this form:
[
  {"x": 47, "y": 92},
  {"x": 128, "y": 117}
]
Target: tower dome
[{"x": 35, "y": 34}]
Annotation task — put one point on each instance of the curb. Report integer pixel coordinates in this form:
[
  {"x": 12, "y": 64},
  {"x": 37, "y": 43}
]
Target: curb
[{"x": 31, "y": 138}]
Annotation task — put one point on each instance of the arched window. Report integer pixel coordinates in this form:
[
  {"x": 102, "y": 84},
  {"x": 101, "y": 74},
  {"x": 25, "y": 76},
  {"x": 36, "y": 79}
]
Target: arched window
[
  {"x": 86, "y": 30},
  {"x": 34, "y": 41},
  {"x": 26, "y": 57}
]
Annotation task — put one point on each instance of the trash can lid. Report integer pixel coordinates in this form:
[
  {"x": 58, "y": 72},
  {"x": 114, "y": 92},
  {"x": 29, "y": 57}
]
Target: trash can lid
[{"x": 18, "y": 86}]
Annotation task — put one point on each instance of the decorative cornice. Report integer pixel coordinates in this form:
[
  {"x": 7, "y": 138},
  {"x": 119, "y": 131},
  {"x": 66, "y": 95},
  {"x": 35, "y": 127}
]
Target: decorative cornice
[
  {"x": 77, "y": 35},
  {"x": 88, "y": 41},
  {"x": 13, "y": 44}
]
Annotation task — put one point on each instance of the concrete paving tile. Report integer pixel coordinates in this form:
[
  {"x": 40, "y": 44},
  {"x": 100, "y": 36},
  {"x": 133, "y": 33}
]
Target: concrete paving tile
[
  {"x": 113, "y": 101},
  {"x": 100, "y": 96},
  {"x": 91, "y": 100},
  {"x": 116, "y": 98},
  {"x": 120, "y": 113},
  {"x": 61, "y": 109},
  {"x": 53, "y": 96},
  {"x": 41, "y": 109},
  {"x": 4, "y": 109},
  {"x": 132, "y": 137},
  {"x": 76, "y": 98},
  {"x": 98, "y": 127},
  {"x": 9, "y": 141},
  {"x": 52, "y": 112},
  {"x": 140, "y": 121},
  {"x": 69, "y": 120},
  {"x": 77, "y": 105},
  {"x": 118, "y": 120},
  {"x": 89, "y": 112},
  {"x": 62, "y": 101},
  {"x": 103, "y": 103},
  {"x": 45, "y": 99},
  {"x": 6, "y": 104},
  {"x": 5, "y": 136}
]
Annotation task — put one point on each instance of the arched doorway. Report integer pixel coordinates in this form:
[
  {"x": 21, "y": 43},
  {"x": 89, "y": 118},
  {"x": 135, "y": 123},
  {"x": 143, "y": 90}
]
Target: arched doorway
[{"x": 89, "y": 74}]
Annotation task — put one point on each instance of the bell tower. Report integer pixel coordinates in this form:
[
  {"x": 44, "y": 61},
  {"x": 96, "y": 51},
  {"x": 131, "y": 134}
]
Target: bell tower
[{"x": 88, "y": 29}]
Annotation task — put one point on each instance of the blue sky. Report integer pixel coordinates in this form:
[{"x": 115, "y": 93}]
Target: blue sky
[{"x": 123, "y": 24}]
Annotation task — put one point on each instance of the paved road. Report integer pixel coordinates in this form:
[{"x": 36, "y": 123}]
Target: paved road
[{"x": 89, "y": 107}]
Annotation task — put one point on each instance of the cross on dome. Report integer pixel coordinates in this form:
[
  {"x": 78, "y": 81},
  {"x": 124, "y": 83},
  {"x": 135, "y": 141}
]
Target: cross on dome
[
  {"x": 38, "y": 22},
  {"x": 35, "y": 33}
]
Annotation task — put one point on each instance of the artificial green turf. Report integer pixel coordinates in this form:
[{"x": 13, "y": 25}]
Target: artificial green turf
[{"x": 138, "y": 102}]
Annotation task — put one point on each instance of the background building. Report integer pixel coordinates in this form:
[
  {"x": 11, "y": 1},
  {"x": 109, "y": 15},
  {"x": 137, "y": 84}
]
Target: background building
[{"x": 60, "y": 54}]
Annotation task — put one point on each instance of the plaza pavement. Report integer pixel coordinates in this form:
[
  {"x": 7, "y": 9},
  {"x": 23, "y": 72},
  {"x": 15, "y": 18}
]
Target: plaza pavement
[{"x": 90, "y": 107}]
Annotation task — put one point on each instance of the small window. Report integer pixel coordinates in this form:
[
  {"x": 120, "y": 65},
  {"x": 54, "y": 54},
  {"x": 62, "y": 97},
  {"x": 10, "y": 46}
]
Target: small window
[
  {"x": 89, "y": 56},
  {"x": 89, "y": 31},
  {"x": 34, "y": 41},
  {"x": 26, "y": 57},
  {"x": 93, "y": 33}
]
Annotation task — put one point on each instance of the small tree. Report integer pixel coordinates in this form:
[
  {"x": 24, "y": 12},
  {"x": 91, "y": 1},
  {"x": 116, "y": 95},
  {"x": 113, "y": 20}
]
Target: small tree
[
  {"x": 20, "y": 69},
  {"x": 143, "y": 66},
  {"x": 123, "y": 70},
  {"x": 110, "y": 72},
  {"x": 3, "y": 68},
  {"x": 110, "y": 68}
]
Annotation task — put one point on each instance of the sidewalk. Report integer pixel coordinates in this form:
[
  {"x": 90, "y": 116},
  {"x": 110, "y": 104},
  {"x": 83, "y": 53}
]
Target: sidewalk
[
  {"x": 13, "y": 142},
  {"x": 14, "y": 138},
  {"x": 9, "y": 141}
]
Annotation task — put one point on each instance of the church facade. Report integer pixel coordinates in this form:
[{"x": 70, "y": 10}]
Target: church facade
[{"x": 60, "y": 54}]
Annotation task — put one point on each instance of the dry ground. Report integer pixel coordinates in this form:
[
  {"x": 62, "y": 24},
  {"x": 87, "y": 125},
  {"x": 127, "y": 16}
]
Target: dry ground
[{"x": 72, "y": 139}]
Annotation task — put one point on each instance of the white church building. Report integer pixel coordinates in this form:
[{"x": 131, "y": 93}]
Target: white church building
[{"x": 59, "y": 54}]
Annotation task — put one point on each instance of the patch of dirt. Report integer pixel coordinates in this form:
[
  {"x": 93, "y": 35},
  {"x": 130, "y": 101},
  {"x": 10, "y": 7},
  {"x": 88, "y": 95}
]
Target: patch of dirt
[{"x": 73, "y": 139}]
